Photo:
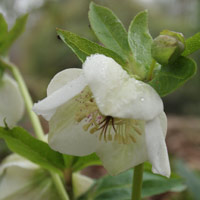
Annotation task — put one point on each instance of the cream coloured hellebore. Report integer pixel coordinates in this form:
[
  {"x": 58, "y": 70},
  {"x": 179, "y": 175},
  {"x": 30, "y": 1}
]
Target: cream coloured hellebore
[
  {"x": 101, "y": 109},
  {"x": 20, "y": 179},
  {"x": 11, "y": 101}
]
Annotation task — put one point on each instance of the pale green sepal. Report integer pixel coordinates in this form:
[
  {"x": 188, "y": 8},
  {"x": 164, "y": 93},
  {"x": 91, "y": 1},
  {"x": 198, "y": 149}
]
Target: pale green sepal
[
  {"x": 177, "y": 35},
  {"x": 66, "y": 134}
]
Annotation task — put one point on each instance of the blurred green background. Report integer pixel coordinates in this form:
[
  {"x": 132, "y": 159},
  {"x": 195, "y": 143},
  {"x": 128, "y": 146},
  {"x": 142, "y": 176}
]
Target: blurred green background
[{"x": 40, "y": 55}]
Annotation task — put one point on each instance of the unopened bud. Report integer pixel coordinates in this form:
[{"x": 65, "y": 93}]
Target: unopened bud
[{"x": 167, "y": 47}]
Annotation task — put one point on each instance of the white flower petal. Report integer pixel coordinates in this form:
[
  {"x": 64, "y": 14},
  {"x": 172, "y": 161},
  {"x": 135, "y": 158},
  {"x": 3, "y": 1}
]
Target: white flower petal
[
  {"x": 59, "y": 94},
  {"x": 156, "y": 146},
  {"x": 21, "y": 179},
  {"x": 18, "y": 171},
  {"x": 81, "y": 184},
  {"x": 117, "y": 158},
  {"x": 67, "y": 135},
  {"x": 11, "y": 102},
  {"x": 62, "y": 78},
  {"x": 117, "y": 94},
  {"x": 18, "y": 161}
]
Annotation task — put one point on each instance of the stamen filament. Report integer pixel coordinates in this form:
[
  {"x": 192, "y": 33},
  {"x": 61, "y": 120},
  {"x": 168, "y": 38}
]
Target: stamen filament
[{"x": 109, "y": 128}]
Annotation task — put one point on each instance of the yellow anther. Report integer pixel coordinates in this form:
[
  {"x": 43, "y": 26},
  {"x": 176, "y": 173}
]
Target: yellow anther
[
  {"x": 109, "y": 128},
  {"x": 93, "y": 130},
  {"x": 80, "y": 118},
  {"x": 138, "y": 130},
  {"x": 132, "y": 138},
  {"x": 86, "y": 126}
]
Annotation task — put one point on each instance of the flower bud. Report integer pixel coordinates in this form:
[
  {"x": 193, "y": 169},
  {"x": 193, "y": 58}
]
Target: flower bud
[{"x": 167, "y": 47}]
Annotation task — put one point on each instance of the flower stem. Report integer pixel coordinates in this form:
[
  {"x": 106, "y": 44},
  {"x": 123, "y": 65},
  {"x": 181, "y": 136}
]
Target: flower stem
[
  {"x": 28, "y": 103},
  {"x": 137, "y": 182},
  {"x": 150, "y": 74},
  {"x": 59, "y": 186},
  {"x": 35, "y": 121}
]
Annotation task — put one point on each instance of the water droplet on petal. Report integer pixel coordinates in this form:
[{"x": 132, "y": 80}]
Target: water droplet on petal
[{"x": 141, "y": 99}]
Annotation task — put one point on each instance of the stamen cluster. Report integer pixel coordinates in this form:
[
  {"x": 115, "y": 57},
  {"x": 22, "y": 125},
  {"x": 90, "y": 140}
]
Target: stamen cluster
[{"x": 109, "y": 128}]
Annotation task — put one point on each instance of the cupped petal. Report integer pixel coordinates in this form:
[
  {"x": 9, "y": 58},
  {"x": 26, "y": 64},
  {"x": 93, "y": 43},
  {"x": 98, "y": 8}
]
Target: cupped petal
[
  {"x": 17, "y": 171},
  {"x": 62, "y": 78},
  {"x": 117, "y": 158},
  {"x": 116, "y": 93},
  {"x": 67, "y": 134},
  {"x": 81, "y": 184},
  {"x": 156, "y": 147},
  {"x": 11, "y": 101},
  {"x": 17, "y": 161},
  {"x": 58, "y": 93},
  {"x": 22, "y": 179}
]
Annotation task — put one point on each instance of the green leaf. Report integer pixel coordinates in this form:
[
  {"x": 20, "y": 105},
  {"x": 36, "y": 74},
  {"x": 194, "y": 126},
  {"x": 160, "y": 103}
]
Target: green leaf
[
  {"x": 3, "y": 66},
  {"x": 172, "y": 76},
  {"x": 192, "y": 44},
  {"x": 85, "y": 161},
  {"x": 191, "y": 179},
  {"x": 1, "y": 73},
  {"x": 14, "y": 33},
  {"x": 3, "y": 28},
  {"x": 77, "y": 163},
  {"x": 83, "y": 47},
  {"x": 119, "y": 187},
  {"x": 109, "y": 30},
  {"x": 21, "y": 142},
  {"x": 140, "y": 42}
]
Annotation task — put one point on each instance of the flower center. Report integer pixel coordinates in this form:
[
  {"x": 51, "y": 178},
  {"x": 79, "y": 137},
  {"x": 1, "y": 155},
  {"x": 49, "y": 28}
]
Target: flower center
[{"x": 123, "y": 131}]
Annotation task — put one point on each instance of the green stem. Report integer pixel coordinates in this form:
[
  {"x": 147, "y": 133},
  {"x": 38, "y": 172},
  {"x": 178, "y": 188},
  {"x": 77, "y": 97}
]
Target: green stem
[
  {"x": 137, "y": 182},
  {"x": 28, "y": 103},
  {"x": 59, "y": 186},
  {"x": 150, "y": 74},
  {"x": 35, "y": 121}
]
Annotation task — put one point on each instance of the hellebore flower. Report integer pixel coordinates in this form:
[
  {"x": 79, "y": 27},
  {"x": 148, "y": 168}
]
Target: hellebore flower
[
  {"x": 22, "y": 179},
  {"x": 81, "y": 184},
  {"x": 11, "y": 102},
  {"x": 102, "y": 109}
]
